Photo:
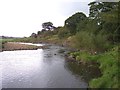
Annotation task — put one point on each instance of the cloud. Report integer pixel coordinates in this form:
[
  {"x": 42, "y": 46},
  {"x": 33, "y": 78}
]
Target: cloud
[{"x": 23, "y": 17}]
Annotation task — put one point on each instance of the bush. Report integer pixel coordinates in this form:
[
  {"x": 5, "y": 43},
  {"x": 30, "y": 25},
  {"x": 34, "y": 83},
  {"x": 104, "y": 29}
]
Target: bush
[
  {"x": 63, "y": 32},
  {"x": 83, "y": 40},
  {"x": 91, "y": 42}
]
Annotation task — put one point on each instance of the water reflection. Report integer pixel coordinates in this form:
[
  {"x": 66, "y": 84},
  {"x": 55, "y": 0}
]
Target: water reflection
[
  {"x": 37, "y": 69},
  {"x": 20, "y": 65},
  {"x": 86, "y": 71}
]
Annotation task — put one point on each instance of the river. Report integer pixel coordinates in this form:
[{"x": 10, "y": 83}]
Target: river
[{"x": 42, "y": 68}]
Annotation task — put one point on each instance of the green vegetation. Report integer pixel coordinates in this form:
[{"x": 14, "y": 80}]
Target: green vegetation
[
  {"x": 91, "y": 42},
  {"x": 96, "y": 38},
  {"x": 108, "y": 65},
  {"x": 63, "y": 33},
  {"x": 3, "y": 41},
  {"x": 6, "y": 40},
  {"x": 110, "y": 70},
  {"x": 28, "y": 39},
  {"x": 71, "y": 22}
]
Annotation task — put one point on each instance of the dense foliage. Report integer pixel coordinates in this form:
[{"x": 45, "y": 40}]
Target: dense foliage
[
  {"x": 48, "y": 26},
  {"x": 71, "y": 22},
  {"x": 96, "y": 38}
]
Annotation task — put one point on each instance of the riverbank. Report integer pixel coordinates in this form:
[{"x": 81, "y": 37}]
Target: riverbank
[
  {"x": 48, "y": 68},
  {"x": 106, "y": 61},
  {"x": 11, "y": 46}
]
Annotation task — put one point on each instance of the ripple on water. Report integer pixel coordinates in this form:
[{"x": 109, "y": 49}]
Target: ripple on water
[{"x": 38, "y": 69}]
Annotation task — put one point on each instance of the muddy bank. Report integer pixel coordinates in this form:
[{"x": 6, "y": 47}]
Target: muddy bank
[{"x": 11, "y": 46}]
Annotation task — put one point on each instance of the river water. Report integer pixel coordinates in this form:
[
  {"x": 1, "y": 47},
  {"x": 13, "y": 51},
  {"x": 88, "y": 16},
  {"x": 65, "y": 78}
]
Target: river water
[{"x": 42, "y": 68}]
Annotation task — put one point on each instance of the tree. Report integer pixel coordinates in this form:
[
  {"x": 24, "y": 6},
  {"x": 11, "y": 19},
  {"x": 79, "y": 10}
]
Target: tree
[
  {"x": 39, "y": 32},
  {"x": 34, "y": 35},
  {"x": 98, "y": 8},
  {"x": 82, "y": 25},
  {"x": 106, "y": 15},
  {"x": 71, "y": 22},
  {"x": 48, "y": 26},
  {"x": 63, "y": 32}
]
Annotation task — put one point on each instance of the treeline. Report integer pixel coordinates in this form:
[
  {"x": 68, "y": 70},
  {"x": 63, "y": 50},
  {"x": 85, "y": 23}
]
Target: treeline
[
  {"x": 96, "y": 38},
  {"x": 94, "y": 33}
]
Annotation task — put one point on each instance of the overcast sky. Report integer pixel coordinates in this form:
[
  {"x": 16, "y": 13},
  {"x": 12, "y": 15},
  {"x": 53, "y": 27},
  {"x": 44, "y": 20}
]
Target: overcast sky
[{"x": 22, "y": 17}]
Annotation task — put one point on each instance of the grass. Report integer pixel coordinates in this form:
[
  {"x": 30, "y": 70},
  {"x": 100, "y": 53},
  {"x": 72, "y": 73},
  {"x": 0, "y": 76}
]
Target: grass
[
  {"x": 6, "y": 40},
  {"x": 108, "y": 60},
  {"x": 109, "y": 64},
  {"x": 2, "y": 41}
]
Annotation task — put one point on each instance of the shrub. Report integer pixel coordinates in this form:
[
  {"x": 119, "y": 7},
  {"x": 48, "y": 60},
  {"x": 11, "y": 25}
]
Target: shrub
[
  {"x": 91, "y": 42},
  {"x": 63, "y": 32}
]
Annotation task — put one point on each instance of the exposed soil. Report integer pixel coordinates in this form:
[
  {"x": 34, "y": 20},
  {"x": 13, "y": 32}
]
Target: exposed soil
[{"x": 10, "y": 46}]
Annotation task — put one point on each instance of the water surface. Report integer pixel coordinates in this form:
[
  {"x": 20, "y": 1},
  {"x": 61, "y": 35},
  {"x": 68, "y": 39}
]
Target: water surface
[{"x": 38, "y": 69}]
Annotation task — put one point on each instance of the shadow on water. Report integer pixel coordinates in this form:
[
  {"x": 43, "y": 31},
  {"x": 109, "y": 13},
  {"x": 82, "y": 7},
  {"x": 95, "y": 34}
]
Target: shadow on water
[
  {"x": 87, "y": 71},
  {"x": 43, "y": 68}
]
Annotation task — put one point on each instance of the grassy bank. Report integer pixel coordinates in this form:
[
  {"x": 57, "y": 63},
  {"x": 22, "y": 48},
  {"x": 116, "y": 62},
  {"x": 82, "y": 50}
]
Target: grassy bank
[
  {"x": 3, "y": 41},
  {"x": 108, "y": 60},
  {"x": 95, "y": 38},
  {"x": 109, "y": 66}
]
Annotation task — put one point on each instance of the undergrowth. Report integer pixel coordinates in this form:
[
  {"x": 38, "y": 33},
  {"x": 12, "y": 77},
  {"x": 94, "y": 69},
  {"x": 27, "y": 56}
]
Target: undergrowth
[{"x": 109, "y": 66}]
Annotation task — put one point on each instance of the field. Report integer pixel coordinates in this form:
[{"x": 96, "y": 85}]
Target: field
[{"x": 5, "y": 40}]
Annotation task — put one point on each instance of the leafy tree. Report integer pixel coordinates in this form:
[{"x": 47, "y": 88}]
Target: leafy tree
[
  {"x": 56, "y": 30},
  {"x": 39, "y": 33},
  {"x": 97, "y": 7},
  {"x": 34, "y": 35},
  {"x": 48, "y": 26},
  {"x": 106, "y": 15},
  {"x": 71, "y": 22},
  {"x": 111, "y": 21},
  {"x": 82, "y": 25},
  {"x": 63, "y": 32}
]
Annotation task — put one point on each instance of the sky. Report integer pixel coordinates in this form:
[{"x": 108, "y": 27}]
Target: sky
[{"x": 19, "y": 18}]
